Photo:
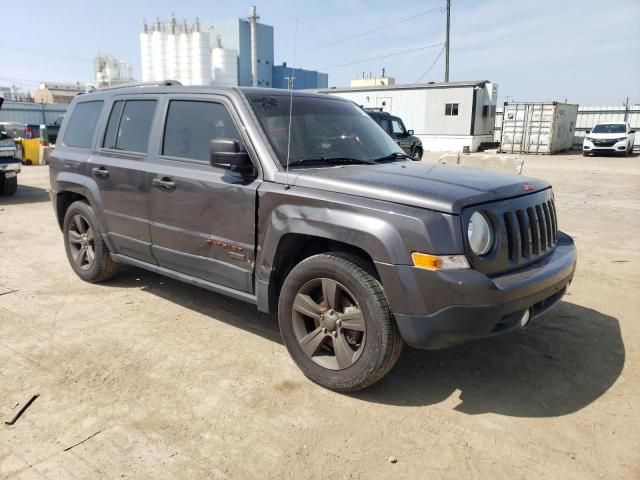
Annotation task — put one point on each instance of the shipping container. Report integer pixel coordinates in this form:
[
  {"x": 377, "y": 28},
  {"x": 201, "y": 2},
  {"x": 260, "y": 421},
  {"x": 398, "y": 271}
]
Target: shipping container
[{"x": 538, "y": 127}]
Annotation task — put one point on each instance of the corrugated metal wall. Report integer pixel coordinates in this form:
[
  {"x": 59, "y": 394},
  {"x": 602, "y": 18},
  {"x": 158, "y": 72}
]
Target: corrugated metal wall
[
  {"x": 31, "y": 113},
  {"x": 587, "y": 118}
]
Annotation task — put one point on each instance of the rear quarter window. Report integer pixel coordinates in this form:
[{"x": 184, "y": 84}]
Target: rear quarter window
[{"x": 82, "y": 124}]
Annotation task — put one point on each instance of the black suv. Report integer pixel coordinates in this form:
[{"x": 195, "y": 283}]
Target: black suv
[
  {"x": 394, "y": 126},
  {"x": 308, "y": 210}
]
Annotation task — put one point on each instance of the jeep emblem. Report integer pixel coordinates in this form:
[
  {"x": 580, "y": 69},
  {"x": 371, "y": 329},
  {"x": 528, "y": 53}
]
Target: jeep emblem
[{"x": 528, "y": 187}]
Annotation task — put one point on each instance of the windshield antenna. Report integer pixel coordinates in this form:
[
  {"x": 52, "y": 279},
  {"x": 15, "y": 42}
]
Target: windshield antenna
[{"x": 290, "y": 80}]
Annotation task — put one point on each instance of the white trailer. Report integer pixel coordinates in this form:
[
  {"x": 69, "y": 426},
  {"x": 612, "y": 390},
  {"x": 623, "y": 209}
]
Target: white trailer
[{"x": 445, "y": 116}]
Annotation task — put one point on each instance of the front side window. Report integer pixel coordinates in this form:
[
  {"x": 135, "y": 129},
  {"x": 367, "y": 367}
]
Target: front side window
[
  {"x": 191, "y": 125},
  {"x": 129, "y": 125},
  {"x": 398, "y": 127},
  {"x": 82, "y": 124},
  {"x": 451, "y": 109},
  {"x": 323, "y": 130}
]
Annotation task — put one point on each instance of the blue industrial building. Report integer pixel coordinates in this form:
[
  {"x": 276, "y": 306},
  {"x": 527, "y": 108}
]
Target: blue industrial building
[{"x": 303, "y": 79}]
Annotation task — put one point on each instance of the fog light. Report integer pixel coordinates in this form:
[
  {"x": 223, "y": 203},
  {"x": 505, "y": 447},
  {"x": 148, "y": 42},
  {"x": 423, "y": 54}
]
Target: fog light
[{"x": 524, "y": 321}]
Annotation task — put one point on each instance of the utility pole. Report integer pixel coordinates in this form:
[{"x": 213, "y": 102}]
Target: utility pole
[{"x": 446, "y": 44}]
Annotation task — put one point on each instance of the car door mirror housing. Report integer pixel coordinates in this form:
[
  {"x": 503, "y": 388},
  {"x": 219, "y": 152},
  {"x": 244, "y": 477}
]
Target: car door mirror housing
[
  {"x": 226, "y": 153},
  {"x": 409, "y": 133},
  {"x": 588, "y": 131},
  {"x": 632, "y": 131}
]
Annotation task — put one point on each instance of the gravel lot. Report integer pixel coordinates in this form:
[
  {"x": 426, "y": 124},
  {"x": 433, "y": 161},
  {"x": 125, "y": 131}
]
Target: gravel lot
[{"x": 182, "y": 383}]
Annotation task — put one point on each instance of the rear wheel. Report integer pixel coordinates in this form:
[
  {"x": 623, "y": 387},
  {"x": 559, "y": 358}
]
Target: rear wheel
[
  {"x": 87, "y": 253},
  {"x": 8, "y": 186},
  {"x": 336, "y": 323}
]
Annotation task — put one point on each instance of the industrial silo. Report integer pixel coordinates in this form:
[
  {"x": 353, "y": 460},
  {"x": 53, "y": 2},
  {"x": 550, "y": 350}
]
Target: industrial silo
[
  {"x": 184, "y": 55},
  {"x": 172, "y": 69},
  {"x": 224, "y": 65},
  {"x": 200, "y": 57},
  {"x": 145, "y": 53},
  {"x": 158, "y": 52}
]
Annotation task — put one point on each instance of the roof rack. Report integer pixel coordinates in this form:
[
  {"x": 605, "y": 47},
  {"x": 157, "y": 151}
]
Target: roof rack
[
  {"x": 373, "y": 109},
  {"x": 163, "y": 83}
]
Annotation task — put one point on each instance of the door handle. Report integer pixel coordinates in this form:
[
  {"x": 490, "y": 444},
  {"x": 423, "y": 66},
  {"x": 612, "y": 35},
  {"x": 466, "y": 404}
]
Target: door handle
[
  {"x": 164, "y": 183},
  {"x": 100, "y": 172}
]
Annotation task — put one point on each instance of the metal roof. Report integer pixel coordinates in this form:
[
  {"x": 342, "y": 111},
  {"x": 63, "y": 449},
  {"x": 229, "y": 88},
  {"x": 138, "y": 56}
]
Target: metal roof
[{"x": 408, "y": 86}]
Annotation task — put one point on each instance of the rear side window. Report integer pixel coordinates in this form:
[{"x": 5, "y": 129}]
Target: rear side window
[
  {"x": 82, "y": 124},
  {"x": 191, "y": 125},
  {"x": 129, "y": 125}
]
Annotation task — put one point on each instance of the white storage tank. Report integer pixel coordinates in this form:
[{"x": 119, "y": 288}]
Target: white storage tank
[
  {"x": 158, "y": 53},
  {"x": 184, "y": 55},
  {"x": 172, "y": 70},
  {"x": 224, "y": 65},
  {"x": 145, "y": 56},
  {"x": 200, "y": 57},
  {"x": 538, "y": 127}
]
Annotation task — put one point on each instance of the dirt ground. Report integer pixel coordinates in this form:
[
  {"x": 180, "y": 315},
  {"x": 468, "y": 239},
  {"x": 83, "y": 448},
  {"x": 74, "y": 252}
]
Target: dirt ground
[{"x": 182, "y": 383}]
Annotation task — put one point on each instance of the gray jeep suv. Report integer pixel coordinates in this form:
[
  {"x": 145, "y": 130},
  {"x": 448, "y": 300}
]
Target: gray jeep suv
[{"x": 308, "y": 209}]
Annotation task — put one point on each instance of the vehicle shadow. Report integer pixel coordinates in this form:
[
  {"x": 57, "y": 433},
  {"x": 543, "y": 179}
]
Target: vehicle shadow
[
  {"x": 560, "y": 364},
  {"x": 26, "y": 194}
]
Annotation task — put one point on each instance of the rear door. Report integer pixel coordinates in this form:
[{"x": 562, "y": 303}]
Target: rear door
[
  {"x": 120, "y": 172},
  {"x": 202, "y": 217}
]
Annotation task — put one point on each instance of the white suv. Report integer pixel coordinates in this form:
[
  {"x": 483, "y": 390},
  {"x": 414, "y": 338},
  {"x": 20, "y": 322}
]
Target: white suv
[{"x": 613, "y": 137}]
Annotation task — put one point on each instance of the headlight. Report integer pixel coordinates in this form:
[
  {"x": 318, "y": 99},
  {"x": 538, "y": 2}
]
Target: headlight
[
  {"x": 588, "y": 138},
  {"x": 480, "y": 234},
  {"x": 623, "y": 139}
]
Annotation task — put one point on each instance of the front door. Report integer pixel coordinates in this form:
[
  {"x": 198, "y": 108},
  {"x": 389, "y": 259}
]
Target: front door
[
  {"x": 119, "y": 170},
  {"x": 202, "y": 217},
  {"x": 400, "y": 135}
]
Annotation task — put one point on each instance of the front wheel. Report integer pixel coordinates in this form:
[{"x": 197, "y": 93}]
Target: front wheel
[
  {"x": 417, "y": 154},
  {"x": 8, "y": 184},
  {"x": 336, "y": 323}
]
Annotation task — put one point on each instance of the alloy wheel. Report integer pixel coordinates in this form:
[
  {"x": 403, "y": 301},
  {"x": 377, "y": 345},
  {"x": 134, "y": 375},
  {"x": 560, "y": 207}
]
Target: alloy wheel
[
  {"x": 81, "y": 238},
  {"x": 328, "y": 324}
]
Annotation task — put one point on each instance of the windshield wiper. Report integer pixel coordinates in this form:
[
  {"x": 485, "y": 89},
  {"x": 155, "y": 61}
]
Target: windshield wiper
[
  {"x": 393, "y": 156},
  {"x": 327, "y": 161}
]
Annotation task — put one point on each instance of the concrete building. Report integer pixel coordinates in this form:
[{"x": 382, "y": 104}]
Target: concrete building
[
  {"x": 302, "y": 79},
  {"x": 445, "y": 116},
  {"x": 62, "y": 93},
  {"x": 111, "y": 72}
]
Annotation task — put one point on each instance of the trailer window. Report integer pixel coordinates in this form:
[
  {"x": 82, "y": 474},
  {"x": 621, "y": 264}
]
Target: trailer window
[{"x": 451, "y": 109}]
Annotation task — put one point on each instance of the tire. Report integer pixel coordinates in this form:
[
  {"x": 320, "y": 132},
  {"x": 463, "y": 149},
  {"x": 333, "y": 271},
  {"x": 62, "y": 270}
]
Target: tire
[
  {"x": 81, "y": 233},
  {"x": 585, "y": 154},
  {"x": 337, "y": 357},
  {"x": 417, "y": 155},
  {"x": 8, "y": 186},
  {"x": 629, "y": 152}
]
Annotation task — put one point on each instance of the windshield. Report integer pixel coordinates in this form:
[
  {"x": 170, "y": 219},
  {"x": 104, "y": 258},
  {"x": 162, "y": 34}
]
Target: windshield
[
  {"x": 610, "y": 128},
  {"x": 323, "y": 130}
]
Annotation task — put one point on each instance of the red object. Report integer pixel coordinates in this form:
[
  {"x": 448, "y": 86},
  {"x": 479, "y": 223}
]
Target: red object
[{"x": 528, "y": 187}]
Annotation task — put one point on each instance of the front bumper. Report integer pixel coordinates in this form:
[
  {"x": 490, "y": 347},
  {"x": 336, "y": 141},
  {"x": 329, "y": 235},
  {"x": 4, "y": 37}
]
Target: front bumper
[
  {"x": 620, "y": 147},
  {"x": 441, "y": 309},
  {"x": 9, "y": 165}
]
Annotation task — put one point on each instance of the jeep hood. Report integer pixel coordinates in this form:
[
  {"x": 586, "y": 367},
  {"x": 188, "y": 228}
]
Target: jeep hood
[{"x": 445, "y": 188}]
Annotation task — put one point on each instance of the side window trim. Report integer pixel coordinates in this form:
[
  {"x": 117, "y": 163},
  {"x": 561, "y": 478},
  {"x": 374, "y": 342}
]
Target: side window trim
[
  {"x": 130, "y": 153},
  {"x": 106, "y": 128},
  {"x": 188, "y": 160}
]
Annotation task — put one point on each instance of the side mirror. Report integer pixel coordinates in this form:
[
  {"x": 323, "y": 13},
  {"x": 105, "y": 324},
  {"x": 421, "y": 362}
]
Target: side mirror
[
  {"x": 588, "y": 131},
  {"x": 409, "y": 133},
  {"x": 632, "y": 131},
  {"x": 226, "y": 153}
]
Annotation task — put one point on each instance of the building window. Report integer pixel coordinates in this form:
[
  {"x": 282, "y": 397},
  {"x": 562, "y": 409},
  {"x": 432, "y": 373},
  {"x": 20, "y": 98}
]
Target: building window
[
  {"x": 451, "y": 110},
  {"x": 485, "y": 110},
  {"x": 267, "y": 62},
  {"x": 258, "y": 60},
  {"x": 267, "y": 82}
]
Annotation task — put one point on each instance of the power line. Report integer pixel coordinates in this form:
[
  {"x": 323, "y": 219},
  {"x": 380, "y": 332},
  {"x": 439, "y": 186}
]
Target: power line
[
  {"x": 44, "y": 53},
  {"x": 404, "y": 52},
  {"x": 431, "y": 66},
  {"x": 368, "y": 32}
]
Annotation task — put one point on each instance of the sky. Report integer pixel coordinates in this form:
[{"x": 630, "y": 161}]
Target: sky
[{"x": 585, "y": 51}]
